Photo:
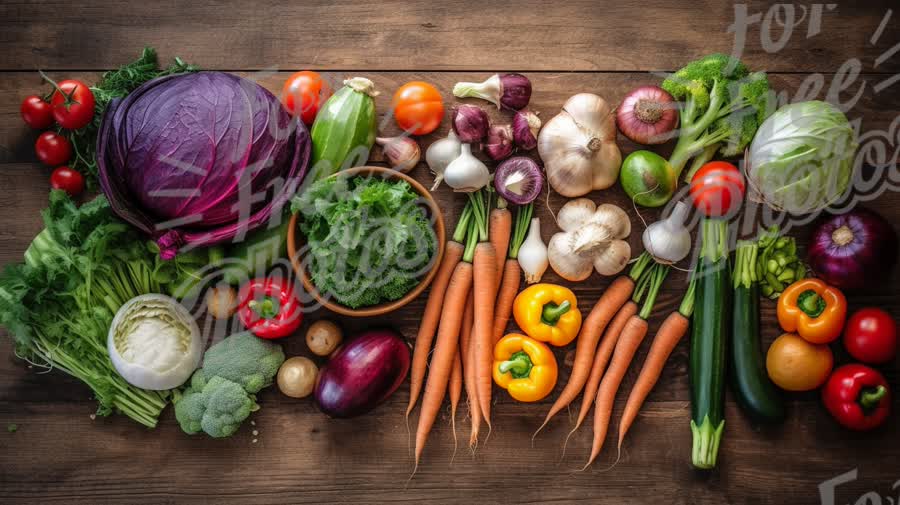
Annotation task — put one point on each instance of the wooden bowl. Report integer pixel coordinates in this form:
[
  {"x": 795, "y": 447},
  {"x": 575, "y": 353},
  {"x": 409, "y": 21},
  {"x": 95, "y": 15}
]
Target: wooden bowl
[{"x": 381, "y": 308}]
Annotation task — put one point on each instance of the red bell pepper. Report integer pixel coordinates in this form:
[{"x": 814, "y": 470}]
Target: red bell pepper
[
  {"x": 857, "y": 397},
  {"x": 270, "y": 307}
]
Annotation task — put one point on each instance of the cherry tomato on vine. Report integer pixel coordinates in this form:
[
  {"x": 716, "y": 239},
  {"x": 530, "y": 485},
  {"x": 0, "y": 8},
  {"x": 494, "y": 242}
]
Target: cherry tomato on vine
[
  {"x": 73, "y": 104},
  {"x": 36, "y": 112},
  {"x": 53, "y": 149},
  {"x": 717, "y": 189},
  {"x": 871, "y": 336},
  {"x": 418, "y": 107},
  {"x": 303, "y": 93},
  {"x": 68, "y": 180}
]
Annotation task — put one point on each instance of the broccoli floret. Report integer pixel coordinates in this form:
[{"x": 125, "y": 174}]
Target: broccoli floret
[
  {"x": 723, "y": 105},
  {"x": 218, "y": 409},
  {"x": 244, "y": 359}
]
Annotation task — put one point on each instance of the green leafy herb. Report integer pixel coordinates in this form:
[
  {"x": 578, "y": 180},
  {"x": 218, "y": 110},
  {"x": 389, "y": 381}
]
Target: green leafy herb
[
  {"x": 12, "y": 427},
  {"x": 115, "y": 84},
  {"x": 369, "y": 240},
  {"x": 58, "y": 305}
]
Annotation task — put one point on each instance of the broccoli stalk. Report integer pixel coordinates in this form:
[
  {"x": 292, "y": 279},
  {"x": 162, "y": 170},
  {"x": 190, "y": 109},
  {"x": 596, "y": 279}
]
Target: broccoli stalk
[{"x": 722, "y": 106}]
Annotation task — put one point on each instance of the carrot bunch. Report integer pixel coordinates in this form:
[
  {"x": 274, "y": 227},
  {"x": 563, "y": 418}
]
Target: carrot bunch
[{"x": 460, "y": 308}]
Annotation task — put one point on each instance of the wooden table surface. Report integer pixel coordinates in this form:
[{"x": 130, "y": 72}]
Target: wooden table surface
[{"x": 59, "y": 454}]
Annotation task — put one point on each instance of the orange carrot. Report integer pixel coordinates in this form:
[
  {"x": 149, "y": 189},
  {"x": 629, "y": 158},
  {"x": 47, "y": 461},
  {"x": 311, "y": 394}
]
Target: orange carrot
[
  {"x": 632, "y": 335},
  {"x": 500, "y": 228},
  {"x": 591, "y": 329},
  {"x": 484, "y": 297},
  {"x": 465, "y": 351},
  {"x": 668, "y": 336},
  {"x": 455, "y": 394},
  {"x": 601, "y": 359},
  {"x": 509, "y": 288},
  {"x": 444, "y": 351},
  {"x": 430, "y": 319}
]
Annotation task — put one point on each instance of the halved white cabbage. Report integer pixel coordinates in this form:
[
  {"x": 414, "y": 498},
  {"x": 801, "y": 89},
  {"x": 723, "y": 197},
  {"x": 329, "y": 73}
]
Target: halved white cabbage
[{"x": 154, "y": 343}]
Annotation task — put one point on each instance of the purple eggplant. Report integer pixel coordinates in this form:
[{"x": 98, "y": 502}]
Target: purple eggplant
[{"x": 362, "y": 374}]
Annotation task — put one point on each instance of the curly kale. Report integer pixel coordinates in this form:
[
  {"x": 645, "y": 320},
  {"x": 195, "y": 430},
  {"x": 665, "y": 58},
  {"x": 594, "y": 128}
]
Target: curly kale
[{"x": 369, "y": 240}]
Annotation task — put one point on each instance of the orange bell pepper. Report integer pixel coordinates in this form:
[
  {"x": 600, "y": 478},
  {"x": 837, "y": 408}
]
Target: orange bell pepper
[{"x": 812, "y": 309}]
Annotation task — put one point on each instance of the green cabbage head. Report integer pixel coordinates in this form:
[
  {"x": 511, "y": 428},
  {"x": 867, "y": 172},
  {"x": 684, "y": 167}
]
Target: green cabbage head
[{"x": 802, "y": 157}]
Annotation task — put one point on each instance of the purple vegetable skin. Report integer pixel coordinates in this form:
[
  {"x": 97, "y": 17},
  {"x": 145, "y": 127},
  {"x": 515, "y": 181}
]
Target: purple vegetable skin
[
  {"x": 852, "y": 249},
  {"x": 198, "y": 158},
  {"x": 362, "y": 374}
]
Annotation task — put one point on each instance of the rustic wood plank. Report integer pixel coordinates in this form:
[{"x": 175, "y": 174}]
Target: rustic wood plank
[
  {"x": 422, "y": 35},
  {"x": 59, "y": 455}
]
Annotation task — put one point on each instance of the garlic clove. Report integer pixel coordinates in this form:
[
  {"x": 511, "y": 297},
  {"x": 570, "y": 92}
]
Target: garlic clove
[
  {"x": 614, "y": 218},
  {"x": 575, "y": 213},
  {"x": 608, "y": 162},
  {"x": 613, "y": 258},
  {"x": 563, "y": 259},
  {"x": 590, "y": 238}
]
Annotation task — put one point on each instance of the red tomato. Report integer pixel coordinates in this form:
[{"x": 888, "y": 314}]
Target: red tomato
[
  {"x": 871, "y": 336},
  {"x": 303, "y": 93},
  {"x": 36, "y": 112},
  {"x": 73, "y": 104},
  {"x": 418, "y": 107},
  {"x": 53, "y": 149},
  {"x": 717, "y": 189},
  {"x": 68, "y": 180}
]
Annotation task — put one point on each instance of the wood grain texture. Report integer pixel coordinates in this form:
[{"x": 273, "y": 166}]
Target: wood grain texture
[
  {"x": 60, "y": 455},
  {"x": 425, "y": 35}
]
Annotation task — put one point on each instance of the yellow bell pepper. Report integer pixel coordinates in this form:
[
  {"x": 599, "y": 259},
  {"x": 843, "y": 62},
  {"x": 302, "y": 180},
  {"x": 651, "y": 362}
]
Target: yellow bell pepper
[
  {"x": 524, "y": 367},
  {"x": 548, "y": 313}
]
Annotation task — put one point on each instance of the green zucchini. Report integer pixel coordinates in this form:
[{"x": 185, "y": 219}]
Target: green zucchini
[
  {"x": 344, "y": 130},
  {"x": 750, "y": 384},
  {"x": 708, "y": 338}
]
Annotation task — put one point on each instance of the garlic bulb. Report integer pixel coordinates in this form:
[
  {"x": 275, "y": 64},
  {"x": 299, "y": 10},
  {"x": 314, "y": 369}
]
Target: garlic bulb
[
  {"x": 532, "y": 255},
  {"x": 668, "y": 240},
  {"x": 439, "y": 154},
  {"x": 466, "y": 173},
  {"x": 578, "y": 146},
  {"x": 591, "y": 239},
  {"x": 402, "y": 152}
]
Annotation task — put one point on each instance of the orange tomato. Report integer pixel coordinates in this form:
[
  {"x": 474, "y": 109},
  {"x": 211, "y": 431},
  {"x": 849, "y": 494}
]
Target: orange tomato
[
  {"x": 418, "y": 107},
  {"x": 303, "y": 93},
  {"x": 797, "y": 365}
]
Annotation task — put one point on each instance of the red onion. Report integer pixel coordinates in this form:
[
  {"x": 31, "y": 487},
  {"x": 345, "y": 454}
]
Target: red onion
[
  {"x": 526, "y": 125},
  {"x": 648, "y": 115},
  {"x": 499, "y": 144},
  {"x": 362, "y": 374},
  {"x": 519, "y": 180},
  {"x": 470, "y": 123},
  {"x": 853, "y": 249},
  {"x": 512, "y": 91}
]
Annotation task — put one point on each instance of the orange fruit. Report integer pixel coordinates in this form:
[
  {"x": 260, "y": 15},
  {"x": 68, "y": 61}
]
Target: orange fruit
[{"x": 797, "y": 365}]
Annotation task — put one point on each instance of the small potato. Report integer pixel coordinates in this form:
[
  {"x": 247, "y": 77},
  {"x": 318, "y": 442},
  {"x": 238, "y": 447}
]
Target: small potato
[
  {"x": 297, "y": 377},
  {"x": 221, "y": 301},
  {"x": 323, "y": 337}
]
